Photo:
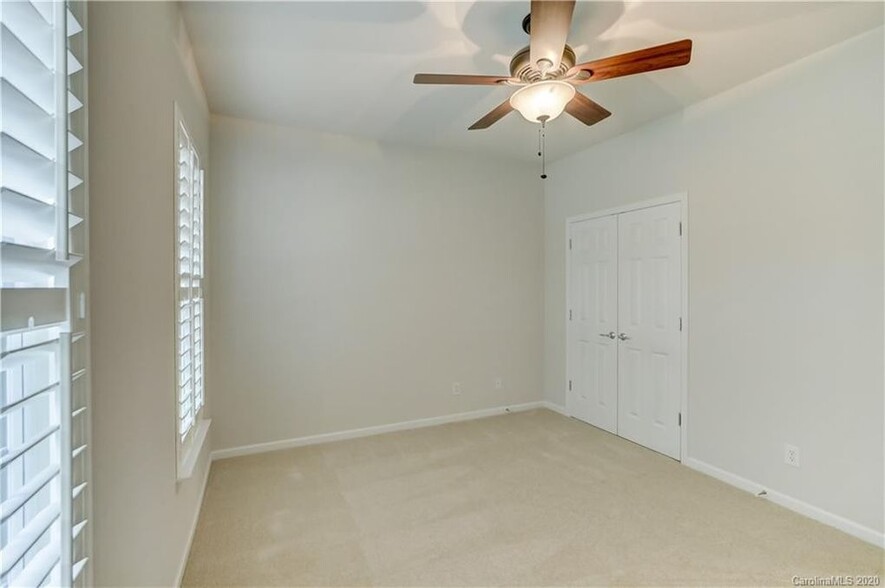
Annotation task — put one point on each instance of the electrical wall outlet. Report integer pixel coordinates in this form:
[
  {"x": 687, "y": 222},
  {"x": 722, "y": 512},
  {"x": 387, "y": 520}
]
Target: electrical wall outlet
[
  {"x": 791, "y": 455},
  {"x": 499, "y": 383},
  {"x": 456, "y": 389}
]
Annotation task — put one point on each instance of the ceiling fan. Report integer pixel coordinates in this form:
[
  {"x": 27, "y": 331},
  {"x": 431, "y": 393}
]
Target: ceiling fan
[{"x": 546, "y": 73}]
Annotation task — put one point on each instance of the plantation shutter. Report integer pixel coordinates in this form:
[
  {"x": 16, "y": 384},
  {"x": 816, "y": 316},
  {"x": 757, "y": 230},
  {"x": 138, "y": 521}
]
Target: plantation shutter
[
  {"x": 190, "y": 282},
  {"x": 43, "y": 390}
]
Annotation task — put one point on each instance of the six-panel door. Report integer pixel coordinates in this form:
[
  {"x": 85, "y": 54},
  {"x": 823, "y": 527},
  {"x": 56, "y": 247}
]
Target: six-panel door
[
  {"x": 593, "y": 323},
  {"x": 649, "y": 308}
]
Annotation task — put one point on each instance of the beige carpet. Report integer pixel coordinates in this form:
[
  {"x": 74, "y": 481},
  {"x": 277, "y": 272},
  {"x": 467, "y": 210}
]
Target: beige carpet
[{"x": 524, "y": 499}]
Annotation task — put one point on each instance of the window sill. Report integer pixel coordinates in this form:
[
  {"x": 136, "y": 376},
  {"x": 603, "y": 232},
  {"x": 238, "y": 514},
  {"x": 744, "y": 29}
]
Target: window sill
[{"x": 189, "y": 454}]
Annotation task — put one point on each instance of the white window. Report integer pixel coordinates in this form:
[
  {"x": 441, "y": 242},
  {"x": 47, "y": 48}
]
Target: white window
[
  {"x": 189, "y": 299},
  {"x": 44, "y": 423}
]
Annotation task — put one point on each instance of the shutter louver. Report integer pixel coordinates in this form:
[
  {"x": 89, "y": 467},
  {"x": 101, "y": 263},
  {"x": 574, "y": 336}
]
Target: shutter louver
[{"x": 39, "y": 174}]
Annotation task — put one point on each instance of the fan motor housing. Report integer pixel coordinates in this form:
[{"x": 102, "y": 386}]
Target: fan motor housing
[{"x": 521, "y": 66}]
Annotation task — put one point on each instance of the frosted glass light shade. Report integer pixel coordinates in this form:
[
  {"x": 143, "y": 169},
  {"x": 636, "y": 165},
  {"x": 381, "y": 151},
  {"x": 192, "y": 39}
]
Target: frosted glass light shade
[{"x": 542, "y": 99}]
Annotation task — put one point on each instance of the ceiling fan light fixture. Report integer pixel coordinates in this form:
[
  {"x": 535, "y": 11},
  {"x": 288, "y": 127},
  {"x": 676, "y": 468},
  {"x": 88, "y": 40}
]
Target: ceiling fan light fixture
[{"x": 542, "y": 101}]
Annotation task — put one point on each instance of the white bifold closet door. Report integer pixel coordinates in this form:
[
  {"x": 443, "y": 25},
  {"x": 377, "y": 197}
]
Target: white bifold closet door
[{"x": 625, "y": 348}]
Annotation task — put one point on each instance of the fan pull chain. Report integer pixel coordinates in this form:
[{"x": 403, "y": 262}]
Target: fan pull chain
[{"x": 542, "y": 150}]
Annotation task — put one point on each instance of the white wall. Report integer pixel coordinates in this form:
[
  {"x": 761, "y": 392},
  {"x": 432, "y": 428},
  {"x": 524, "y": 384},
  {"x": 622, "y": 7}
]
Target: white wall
[
  {"x": 785, "y": 183},
  {"x": 356, "y": 281},
  {"x": 139, "y": 65}
]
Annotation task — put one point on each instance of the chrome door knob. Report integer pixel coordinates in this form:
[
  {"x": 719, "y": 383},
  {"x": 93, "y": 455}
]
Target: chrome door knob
[
  {"x": 623, "y": 337},
  {"x": 610, "y": 334}
]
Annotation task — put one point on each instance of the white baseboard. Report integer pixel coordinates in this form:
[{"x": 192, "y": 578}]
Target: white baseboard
[
  {"x": 190, "y": 539},
  {"x": 555, "y": 407},
  {"x": 852, "y": 528},
  {"x": 369, "y": 431}
]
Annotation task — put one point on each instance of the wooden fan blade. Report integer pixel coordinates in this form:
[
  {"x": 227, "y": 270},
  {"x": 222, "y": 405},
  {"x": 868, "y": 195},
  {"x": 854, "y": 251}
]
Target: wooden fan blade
[
  {"x": 550, "y": 23},
  {"x": 494, "y": 116},
  {"x": 462, "y": 80},
  {"x": 627, "y": 64},
  {"x": 585, "y": 110}
]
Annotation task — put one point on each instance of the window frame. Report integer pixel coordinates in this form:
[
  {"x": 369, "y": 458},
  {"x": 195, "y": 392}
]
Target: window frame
[{"x": 188, "y": 444}]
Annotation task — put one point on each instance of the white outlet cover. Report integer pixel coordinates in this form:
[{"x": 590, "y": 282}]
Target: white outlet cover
[
  {"x": 791, "y": 455},
  {"x": 456, "y": 388}
]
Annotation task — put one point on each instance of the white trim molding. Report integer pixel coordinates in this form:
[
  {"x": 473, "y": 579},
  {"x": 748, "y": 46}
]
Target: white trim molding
[
  {"x": 631, "y": 207},
  {"x": 190, "y": 540},
  {"x": 190, "y": 452},
  {"x": 558, "y": 408},
  {"x": 798, "y": 506},
  {"x": 376, "y": 430}
]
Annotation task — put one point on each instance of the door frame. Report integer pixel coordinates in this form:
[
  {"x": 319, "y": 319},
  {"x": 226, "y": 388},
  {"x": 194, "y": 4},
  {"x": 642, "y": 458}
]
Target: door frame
[{"x": 682, "y": 199}]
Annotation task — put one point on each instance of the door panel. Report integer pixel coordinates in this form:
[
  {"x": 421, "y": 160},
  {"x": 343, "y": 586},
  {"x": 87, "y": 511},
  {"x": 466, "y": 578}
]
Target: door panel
[
  {"x": 650, "y": 288},
  {"x": 593, "y": 291}
]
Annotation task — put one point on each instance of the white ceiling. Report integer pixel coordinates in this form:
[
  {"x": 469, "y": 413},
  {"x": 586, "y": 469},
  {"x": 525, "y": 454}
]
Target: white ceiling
[{"x": 346, "y": 67}]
